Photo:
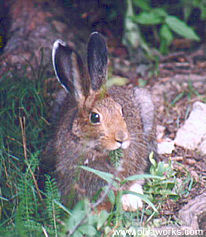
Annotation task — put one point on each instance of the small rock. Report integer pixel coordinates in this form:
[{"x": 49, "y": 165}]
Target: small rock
[
  {"x": 177, "y": 158},
  {"x": 160, "y": 132},
  {"x": 165, "y": 147},
  {"x": 193, "y": 212},
  {"x": 195, "y": 175},
  {"x": 202, "y": 146},
  {"x": 190, "y": 161},
  {"x": 192, "y": 135}
]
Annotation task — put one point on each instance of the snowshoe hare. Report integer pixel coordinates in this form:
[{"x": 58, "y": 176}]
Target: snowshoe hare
[{"x": 94, "y": 121}]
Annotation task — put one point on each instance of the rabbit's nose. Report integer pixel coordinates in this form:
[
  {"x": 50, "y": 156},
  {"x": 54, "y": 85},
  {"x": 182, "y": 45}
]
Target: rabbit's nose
[{"x": 121, "y": 136}]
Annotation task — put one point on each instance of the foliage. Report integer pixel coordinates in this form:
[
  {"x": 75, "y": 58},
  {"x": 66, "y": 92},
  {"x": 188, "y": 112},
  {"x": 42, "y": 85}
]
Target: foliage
[
  {"x": 170, "y": 186},
  {"x": 159, "y": 22},
  {"x": 188, "y": 7},
  {"x": 162, "y": 183},
  {"x": 190, "y": 91},
  {"x": 23, "y": 210},
  {"x": 164, "y": 188},
  {"x": 115, "y": 157}
]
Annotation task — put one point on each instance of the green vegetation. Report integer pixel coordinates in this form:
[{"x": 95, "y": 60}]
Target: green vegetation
[
  {"x": 22, "y": 137},
  {"x": 149, "y": 21},
  {"x": 189, "y": 92},
  {"x": 162, "y": 184}
]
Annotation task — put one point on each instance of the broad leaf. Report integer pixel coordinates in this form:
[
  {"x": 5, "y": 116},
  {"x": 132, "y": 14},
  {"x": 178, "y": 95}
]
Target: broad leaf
[
  {"x": 117, "y": 81},
  {"x": 179, "y": 27},
  {"x": 142, "y": 176},
  {"x": 166, "y": 34},
  {"x": 142, "y": 4},
  {"x": 166, "y": 38},
  {"x": 106, "y": 176},
  {"x": 87, "y": 230},
  {"x": 153, "y": 17},
  {"x": 102, "y": 218}
]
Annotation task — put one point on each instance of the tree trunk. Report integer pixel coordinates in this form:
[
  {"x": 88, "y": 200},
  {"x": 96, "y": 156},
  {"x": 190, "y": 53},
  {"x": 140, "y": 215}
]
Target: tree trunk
[{"x": 35, "y": 25}]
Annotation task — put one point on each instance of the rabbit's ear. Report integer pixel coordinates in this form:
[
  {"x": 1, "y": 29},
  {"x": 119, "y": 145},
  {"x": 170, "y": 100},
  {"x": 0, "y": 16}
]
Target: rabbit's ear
[
  {"x": 97, "y": 60},
  {"x": 69, "y": 70}
]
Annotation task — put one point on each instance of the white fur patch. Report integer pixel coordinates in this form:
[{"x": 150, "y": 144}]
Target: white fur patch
[
  {"x": 55, "y": 47},
  {"x": 131, "y": 202},
  {"x": 125, "y": 144},
  {"x": 86, "y": 162}
]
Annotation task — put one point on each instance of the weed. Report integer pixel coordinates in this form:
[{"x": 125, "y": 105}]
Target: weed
[
  {"x": 159, "y": 22},
  {"x": 23, "y": 125}
]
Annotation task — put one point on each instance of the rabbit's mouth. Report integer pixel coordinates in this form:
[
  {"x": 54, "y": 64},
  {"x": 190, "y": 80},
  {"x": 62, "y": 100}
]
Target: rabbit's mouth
[
  {"x": 110, "y": 146},
  {"x": 124, "y": 145},
  {"x": 121, "y": 137},
  {"x": 118, "y": 138}
]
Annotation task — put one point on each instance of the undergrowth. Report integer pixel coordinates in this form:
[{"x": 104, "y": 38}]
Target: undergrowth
[
  {"x": 25, "y": 210},
  {"x": 29, "y": 200}
]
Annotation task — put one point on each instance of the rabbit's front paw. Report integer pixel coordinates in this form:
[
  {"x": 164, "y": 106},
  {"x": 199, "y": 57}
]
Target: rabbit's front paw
[{"x": 131, "y": 202}]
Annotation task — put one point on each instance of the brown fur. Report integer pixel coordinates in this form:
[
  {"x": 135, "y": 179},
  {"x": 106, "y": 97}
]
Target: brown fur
[{"x": 77, "y": 141}]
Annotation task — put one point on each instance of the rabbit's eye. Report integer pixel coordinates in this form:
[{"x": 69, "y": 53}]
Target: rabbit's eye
[{"x": 94, "y": 117}]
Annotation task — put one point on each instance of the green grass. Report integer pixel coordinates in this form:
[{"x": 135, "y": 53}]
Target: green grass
[
  {"x": 27, "y": 209},
  {"x": 22, "y": 137},
  {"x": 189, "y": 92}
]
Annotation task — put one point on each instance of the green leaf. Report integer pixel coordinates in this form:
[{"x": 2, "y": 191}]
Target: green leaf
[
  {"x": 77, "y": 234},
  {"x": 76, "y": 216},
  {"x": 142, "y": 83},
  {"x": 142, "y": 176},
  {"x": 187, "y": 11},
  {"x": 152, "y": 160},
  {"x": 92, "y": 219},
  {"x": 142, "y": 4},
  {"x": 143, "y": 197},
  {"x": 117, "y": 80},
  {"x": 177, "y": 98},
  {"x": 111, "y": 196},
  {"x": 161, "y": 168},
  {"x": 88, "y": 230},
  {"x": 167, "y": 192},
  {"x": 159, "y": 12},
  {"x": 62, "y": 207},
  {"x": 180, "y": 27},
  {"x": 153, "y": 17},
  {"x": 132, "y": 37},
  {"x": 132, "y": 34},
  {"x": 202, "y": 7},
  {"x": 106, "y": 176},
  {"x": 166, "y": 37},
  {"x": 166, "y": 34},
  {"x": 146, "y": 18},
  {"x": 3, "y": 198},
  {"x": 203, "y": 13},
  {"x": 102, "y": 218},
  {"x": 115, "y": 157}
]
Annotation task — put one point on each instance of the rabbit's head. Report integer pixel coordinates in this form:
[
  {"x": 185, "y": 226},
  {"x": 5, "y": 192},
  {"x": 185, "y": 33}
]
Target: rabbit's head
[{"x": 99, "y": 121}]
